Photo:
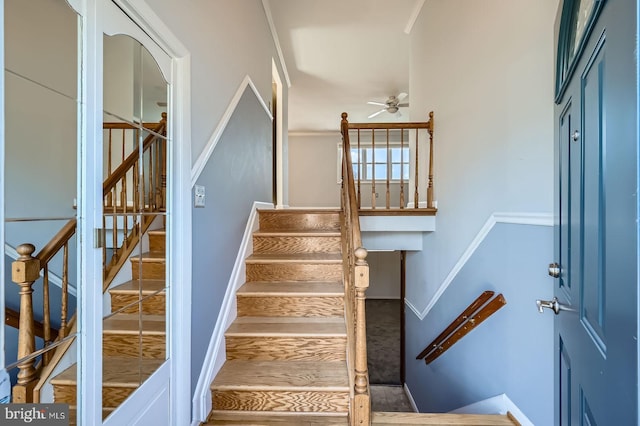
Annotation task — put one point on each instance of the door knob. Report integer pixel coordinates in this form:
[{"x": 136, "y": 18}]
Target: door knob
[
  {"x": 554, "y": 270},
  {"x": 554, "y": 305},
  {"x": 575, "y": 136}
]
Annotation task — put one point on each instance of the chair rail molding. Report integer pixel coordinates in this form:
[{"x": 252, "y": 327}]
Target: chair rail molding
[
  {"x": 206, "y": 153},
  {"x": 536, "y": 219}
]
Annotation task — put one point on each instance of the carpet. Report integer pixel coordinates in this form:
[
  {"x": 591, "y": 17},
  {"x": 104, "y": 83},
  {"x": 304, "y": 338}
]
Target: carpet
[{"x": 383, "y": 341}]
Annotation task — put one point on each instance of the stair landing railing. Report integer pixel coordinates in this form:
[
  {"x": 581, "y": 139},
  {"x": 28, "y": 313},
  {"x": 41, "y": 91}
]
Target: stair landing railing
[
  {"x": 356, "y": 282},
  {"x": 136, "y": 185},
  {"x": 397, "y": 148}
]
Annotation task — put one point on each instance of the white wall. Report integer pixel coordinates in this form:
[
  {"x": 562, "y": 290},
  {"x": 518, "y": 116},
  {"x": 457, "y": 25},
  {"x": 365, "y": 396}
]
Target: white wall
[
  {"x": 486, "y": 69},
  {"x": 384, "y": 275}
]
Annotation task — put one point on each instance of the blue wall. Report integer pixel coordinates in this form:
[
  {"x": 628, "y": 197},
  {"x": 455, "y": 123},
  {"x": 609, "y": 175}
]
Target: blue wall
[
  {"x": 238, "y": 173},
  {"x": 512, "y": 351}
]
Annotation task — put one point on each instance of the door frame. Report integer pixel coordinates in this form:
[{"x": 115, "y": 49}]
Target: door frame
[{"x": 171, "y": 374}]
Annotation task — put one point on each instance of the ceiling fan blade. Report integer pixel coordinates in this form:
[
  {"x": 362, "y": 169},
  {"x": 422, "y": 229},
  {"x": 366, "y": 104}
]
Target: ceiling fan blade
[
  {"x": 376, "y": 103},
  {"x": 401, "y": 96},
  {"x": 377, "y": 113},
  {"x": 406, "y": 104}
]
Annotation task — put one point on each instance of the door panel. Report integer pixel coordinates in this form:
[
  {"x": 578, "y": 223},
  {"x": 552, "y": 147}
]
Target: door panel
[{"x": 596, "y": 146}]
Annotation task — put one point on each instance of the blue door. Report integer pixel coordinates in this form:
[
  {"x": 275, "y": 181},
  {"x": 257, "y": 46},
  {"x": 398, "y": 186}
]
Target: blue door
[{"x": 596, "y": 150}]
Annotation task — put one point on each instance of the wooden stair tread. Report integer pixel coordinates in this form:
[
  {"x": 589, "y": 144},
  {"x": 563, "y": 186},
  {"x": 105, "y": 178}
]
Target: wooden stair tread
[
  {"x": 297, "y": 233},
  {"x": 150, "y": 257},
  {"x": 130, "y": 324},
  {"x": 264, "y": 418},
  {"x": 116, "y": 372},
  {"x": 143, "y": 286},
  {"x": 312, "y": 210},
  {"x": 282, "y": 375},
  {"x": 440, "y": 419},
  {"x": 287, "y": 326},
  {"x": 157, "y": 232},
  {"x": 291, "y": 288},
  {"x": 327, "y": 258}
]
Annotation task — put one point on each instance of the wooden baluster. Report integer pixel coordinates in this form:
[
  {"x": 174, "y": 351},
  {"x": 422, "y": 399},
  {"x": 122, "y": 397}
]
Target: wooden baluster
[
  {"x": 104, "y": 246},
  {"x": 415, "y": 195},
  {"x": 389, "y": 163},
  {"x": 65, "y": 291},
  {"x": 150, "y": 192},
  {"x": 25, "y": 271},
  {"x": 362, "y": 408},
  {"x": 46, "y": 314},
  {"x": 109, "y": 166},
  {"x": 125, "y": 209},
  {"x": 124, "y": 144},
  {"x": 402, "y": 168},
  {"x": 430, "y": 183},
  {"x": 360, "y": 167},
  {"x": 373, "y": 168}
]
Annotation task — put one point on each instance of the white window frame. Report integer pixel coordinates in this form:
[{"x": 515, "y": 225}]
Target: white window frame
[{"x": 382, "y": 145}]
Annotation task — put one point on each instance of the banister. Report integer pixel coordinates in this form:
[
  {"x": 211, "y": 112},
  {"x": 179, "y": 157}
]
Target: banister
[
  {"x": 473, "y": 316},
  {"x": 57, "y": 242},
  {"x": 121, "y": 170}
]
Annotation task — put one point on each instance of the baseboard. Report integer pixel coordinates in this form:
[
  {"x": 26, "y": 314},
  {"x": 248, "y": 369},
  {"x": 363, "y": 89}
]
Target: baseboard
[
  {"x": 536, "y": 219},
  {"x": 499, "y": 404},
  {"x": 410, "y": 397},
  {"x": 215, "y": 355}
]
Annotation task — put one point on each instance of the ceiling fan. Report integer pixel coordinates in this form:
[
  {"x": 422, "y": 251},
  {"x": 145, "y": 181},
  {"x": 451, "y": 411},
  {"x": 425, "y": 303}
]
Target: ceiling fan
[{"x": 391, "y": 105}]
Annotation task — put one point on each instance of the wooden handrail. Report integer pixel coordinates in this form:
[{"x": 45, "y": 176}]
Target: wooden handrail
[
  {"x": 466, "y": 314},
  {"x": 128, "y": 126},
  {"x": 58, "y": 241},
  {"x": 421, "y": 185},
  {"x": 473, "y": 316},
  {"x": 356, "y": 282},
  {"x": 12, "y": 319}
]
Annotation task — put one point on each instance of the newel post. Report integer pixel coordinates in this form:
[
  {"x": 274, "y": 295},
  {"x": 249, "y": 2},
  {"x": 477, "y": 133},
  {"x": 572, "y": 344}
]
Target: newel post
[
  {"x": 430, "y": 182},
  {"x": 362, "y": 401},
  {"x": 24, "y": 272}
]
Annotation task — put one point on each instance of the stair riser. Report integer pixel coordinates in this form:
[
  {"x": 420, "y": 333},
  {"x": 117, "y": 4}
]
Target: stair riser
[
  {"x": 154, "y": 305},
  {"x": 282, "y": 221},
  {"x": 257, "y": 348},
  {"x": 128, "y": 345},
  {"x": 281, "y": 401},
  {"x": 293, "y": 272},
  {"x": 150, "y": 270},
  {"x": 157, "y": 243},
  {"x": 291, "y": 306},
  {"x": 298, "y": 244},
  {"x": 268, "y": 418},
  {"x": 112, "y": 396}
]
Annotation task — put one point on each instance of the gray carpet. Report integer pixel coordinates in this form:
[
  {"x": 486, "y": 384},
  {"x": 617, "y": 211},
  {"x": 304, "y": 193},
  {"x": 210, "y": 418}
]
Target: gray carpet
[
  {"x": 389, "y": 399},
  {"x": 383, "y": 341}
]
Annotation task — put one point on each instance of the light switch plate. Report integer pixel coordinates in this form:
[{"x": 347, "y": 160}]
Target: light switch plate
[{"x": 199, "y": 195}]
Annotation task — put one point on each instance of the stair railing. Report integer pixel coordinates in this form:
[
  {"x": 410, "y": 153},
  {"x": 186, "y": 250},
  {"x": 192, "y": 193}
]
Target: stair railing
[
  {"x": 137, "y": 185},
  {"x": 356, "y": 282},
  {"x": 393, "y": 141},
  {"x": 25, "y": 271},
  {"x": 478, "y": 311},
  {"x": 147, "y": 177}
]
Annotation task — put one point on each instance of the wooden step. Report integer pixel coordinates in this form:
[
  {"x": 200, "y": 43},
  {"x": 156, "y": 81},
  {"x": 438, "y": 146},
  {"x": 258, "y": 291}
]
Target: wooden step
[
  {"x": 291, "y": 299},
  {"x": 148, "y": 266},
  {"x": 296, "y": 242},
  {"x": 294, "y": 267},
  {"x": 121, "y": 336},
  {"x": 267, "y": 339},
  {"x": 299, "y": 220},
  {"x": 157, "y": 241},
  {"x": 125, "y": 297},
  {"x": 262, "y": 418},
  {"x": 282, "y": 386},
  {"x": 380, "y": 419},
  {"x": 120, "y": 377}
]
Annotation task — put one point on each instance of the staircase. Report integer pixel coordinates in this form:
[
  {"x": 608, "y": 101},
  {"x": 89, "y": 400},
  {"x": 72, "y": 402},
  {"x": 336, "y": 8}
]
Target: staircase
[
  {"x": 130, "y": 353},
  {"x": 286, "y": 350}
]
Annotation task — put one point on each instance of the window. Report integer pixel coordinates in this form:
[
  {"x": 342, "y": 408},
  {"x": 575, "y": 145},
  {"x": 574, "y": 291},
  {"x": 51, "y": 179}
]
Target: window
[{"x": 391, "y": 163}]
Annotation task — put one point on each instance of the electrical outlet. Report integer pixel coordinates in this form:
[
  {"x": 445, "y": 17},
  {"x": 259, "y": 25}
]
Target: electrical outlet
[{"x": 199, "y": 196}]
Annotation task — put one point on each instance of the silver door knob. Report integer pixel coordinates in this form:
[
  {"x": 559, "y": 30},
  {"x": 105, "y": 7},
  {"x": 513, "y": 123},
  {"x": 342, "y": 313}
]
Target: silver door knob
[
  {"x": 554, "y": 270},
  {"x": 554, "y": 305},
  {"x": 575, "y": 136}
]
